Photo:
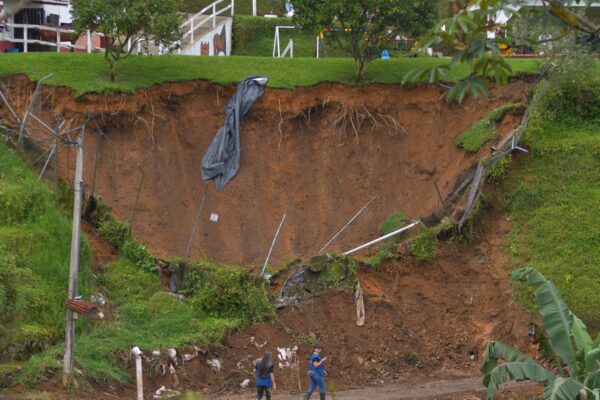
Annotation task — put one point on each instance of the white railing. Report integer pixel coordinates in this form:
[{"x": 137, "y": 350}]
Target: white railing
[
  {"x": 58, "y": 43},
  {"x": 191, "y": 25}
]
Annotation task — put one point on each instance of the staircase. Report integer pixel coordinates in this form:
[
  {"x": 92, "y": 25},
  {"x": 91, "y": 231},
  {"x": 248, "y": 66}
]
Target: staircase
[
  {"x": 208, "y": 32},
  {"x": 205, "y": 33}
]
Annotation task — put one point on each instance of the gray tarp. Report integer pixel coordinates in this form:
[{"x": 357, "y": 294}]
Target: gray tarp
[{"x": 222, "y": 159}]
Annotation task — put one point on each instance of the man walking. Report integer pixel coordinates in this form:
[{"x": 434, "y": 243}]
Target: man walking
[{"x": 317, "y": 373}]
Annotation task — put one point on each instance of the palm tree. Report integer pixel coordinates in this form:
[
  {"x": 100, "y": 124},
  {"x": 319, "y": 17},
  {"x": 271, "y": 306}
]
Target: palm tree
[{"x": 577, "y": 356}]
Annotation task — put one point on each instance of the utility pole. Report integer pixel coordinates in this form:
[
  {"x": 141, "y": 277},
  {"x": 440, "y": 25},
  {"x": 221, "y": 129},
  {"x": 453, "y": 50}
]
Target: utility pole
[{"x": 74, "y": 265}]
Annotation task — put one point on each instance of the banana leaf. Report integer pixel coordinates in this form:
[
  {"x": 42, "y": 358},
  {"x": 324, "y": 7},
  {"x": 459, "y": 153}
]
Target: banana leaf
[
  {"x": 563, "y": 389},
  {"x": 516, "y": 371},
  {"x": 558, "y": 320}
]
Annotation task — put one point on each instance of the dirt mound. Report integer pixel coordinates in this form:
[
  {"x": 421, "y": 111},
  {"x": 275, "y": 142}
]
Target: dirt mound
[
  {"x": 328, "y": 149},
  {"x": 424, "y": 321}
]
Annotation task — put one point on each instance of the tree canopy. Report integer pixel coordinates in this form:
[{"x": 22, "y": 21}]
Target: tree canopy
[
  {"x": 125, "y": 23},
  {"x": 469, "y": 34},
  {"x": 366, "y": 27}
]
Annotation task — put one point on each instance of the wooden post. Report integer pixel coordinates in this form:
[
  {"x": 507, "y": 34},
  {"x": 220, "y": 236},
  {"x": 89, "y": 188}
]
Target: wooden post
[
  {"x": 232, "y": 7},
  {"x": 254, "y": 7},
  {"x": 25, "y": 39},
  {"x": 58, "y": 39},
  {"x": 74, "y": 265}
]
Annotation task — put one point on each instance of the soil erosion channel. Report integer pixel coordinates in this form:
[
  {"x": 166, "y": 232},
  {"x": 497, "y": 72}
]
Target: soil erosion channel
[{"x": 327, "y": 148}]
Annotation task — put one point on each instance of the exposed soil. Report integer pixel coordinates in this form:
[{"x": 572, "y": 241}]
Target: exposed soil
[
  {"x": 425, "y": 321},
  {"x": 292, "y": 148}
]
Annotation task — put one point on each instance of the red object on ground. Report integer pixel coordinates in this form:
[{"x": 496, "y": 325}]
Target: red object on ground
[{"x": 81, "y": 306}]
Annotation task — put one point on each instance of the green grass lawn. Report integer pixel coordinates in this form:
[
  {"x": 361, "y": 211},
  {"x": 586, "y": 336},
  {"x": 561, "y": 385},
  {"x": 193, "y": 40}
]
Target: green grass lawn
[
  {"x": 87, "y": 73},
  {"x": 555, "y": 200}
]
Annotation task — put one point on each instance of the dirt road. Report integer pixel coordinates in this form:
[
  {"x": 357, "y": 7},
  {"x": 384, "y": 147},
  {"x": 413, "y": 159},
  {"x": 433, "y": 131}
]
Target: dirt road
[{"x": 456, "y": 389}]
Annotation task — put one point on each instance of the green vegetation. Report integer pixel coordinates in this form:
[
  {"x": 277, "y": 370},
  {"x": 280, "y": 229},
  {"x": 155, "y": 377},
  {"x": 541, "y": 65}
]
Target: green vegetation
[
  {"x": 35, "y": 240},
  {"x": 341, "y": 272},
  {"x": 555, "y": 196},
  {"x": 242, "y": 7},
  {"x": 484, "y": 130},
  {"x": 368, "y": 26},
  {"x": 34, "y": 255},
  {"x": 126, "y": 24},
  {"x": 573, "y": 351},
  {"x": 87, "y": 73},
  {"x": 253, "y": 36},
  {"x": 392, "y": 223}
]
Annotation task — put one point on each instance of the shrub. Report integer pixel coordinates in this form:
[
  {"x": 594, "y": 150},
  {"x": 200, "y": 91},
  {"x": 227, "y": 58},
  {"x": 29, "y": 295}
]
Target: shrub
[
  {"x": 227, "y": 292},
  {"x": 500, "y": 170},
  {"x": 392, "y": 223},
  {"x": 484, "y": 130},
  {"x": 424, "y": 245}
]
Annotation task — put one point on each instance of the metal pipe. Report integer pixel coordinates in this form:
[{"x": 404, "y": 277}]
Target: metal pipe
[
  {"x": 363, "y": 208},
  {"x": 407, "y": 227},
  {"x": 275, "y": 238}
]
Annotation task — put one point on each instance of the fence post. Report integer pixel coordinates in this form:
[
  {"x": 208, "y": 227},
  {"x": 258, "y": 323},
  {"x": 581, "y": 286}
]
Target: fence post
[
  {"x": 232, "y": 7},
  {"x": 58, "y": 39},
  {"x": 89, "y": 41},
  {"x": 192, "y": 35},
  {"x": 25, "y": 47},
  {"x": 214, "y": 7}
]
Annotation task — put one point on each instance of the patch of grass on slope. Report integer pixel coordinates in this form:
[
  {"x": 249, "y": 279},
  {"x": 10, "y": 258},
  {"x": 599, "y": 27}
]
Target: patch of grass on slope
[
  {"x": 88, "y": 72},
  {"x": 35, "y": 238},
  {"x": 556, "y": 204},
  {"x": 483, "y": 130},
  {"x": 218, "y": 299}
]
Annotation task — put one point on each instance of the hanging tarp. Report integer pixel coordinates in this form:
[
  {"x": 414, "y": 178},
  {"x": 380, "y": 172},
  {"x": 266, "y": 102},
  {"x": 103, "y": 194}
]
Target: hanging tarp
[{"x": 222, "y": 159}]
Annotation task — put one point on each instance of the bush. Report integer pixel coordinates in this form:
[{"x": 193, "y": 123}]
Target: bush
[
  {"x": 392, "y": 223},
  {"x": 484, "y": 130},
  {"x": 574, "y": 90},
  {"x": 227, "y": 292},
  {"x": 424, "y": 245}
]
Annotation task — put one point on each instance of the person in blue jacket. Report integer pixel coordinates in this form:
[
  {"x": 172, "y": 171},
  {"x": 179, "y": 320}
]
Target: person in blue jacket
[
  {"x": 317, "y": 373},
  {"x": 265, "y": 378}
]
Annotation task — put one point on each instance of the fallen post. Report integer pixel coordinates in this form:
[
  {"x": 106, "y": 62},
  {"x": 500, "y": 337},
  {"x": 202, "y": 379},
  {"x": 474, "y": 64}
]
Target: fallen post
[
  {"x": 389, "y": 235},
  {"x": 200, "y": 208},
  {"x": 347, "y": 224},
  {"x": 262, "y": 273}
]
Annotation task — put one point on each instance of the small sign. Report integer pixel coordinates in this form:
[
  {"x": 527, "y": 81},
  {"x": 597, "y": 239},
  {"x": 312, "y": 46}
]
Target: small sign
[{"x": 214, "y": 217}]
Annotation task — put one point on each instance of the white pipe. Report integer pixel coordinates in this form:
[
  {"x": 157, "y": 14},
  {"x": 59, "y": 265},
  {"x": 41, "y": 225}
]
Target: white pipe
[
  {"x": 138, "y": 372},
  {"x": 407, "y": 227}
]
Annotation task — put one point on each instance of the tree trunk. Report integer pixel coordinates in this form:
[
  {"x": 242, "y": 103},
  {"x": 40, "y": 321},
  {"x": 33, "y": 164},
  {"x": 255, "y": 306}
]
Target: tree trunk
[
  {"x": 111, "y": 62},
  {"x": 361, "y": 67}
]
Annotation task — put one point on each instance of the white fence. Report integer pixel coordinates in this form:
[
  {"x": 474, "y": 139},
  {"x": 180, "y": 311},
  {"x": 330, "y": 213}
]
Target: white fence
[
  {"x": 57, "y": 43},
  {"x": 190, "y": 26}
]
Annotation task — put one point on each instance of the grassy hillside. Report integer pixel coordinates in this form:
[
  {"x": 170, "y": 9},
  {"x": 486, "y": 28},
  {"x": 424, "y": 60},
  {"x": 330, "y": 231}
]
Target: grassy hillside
[
  {"x": 88, "y": 72},
  {"x": 35, "y": 238},
  {"x": 555, "y": 193}
]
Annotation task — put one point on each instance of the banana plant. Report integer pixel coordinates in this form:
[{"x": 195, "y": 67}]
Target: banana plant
[{"x": 577, "y": 356}]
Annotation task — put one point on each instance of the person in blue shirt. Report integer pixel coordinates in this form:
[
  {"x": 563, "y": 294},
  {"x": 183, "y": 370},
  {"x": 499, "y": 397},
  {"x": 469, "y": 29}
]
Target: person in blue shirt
[
  {"x": 265, "y": 378},
  {"x": 317, "y": 373}
]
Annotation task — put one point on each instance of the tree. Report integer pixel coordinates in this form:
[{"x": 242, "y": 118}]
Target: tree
[
  {"x": 364, "y": 27},
  {"x": 467, "y": 33},
  {"x": 576, "y": 374},
  {"x": 125, "y": 23}
]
